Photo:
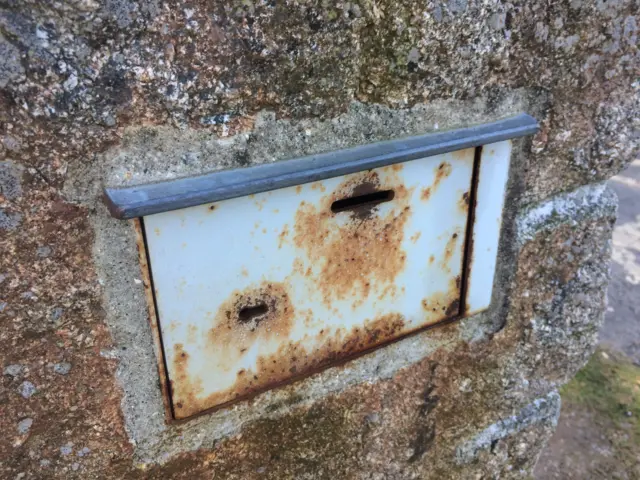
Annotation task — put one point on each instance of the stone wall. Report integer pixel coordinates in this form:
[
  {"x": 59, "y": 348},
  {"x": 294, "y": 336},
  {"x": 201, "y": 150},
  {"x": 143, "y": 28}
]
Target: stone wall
[{"x": 128, "y": 91}]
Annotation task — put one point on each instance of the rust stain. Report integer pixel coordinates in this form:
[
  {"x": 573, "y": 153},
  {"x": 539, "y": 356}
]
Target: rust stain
[
  {"x": 397, "y": 167},
  {"x": 230, "y": 330},
  {"x": 308, "y": 318},
  {"x": 229, "y": 338},
  {"x": 388, "y": 293},
  {"x": 432, "y": 259},
  {"x": 415, "y": 237},
  {"x": 318, "y": 186},
  {"x": 445, "y": 304},
  {"x": 192, "y": 334},
  {"x": 442, "y": 171},
  {"x": 464, "y": 155},
  {"x": 298, "y": 189},
  {"x": 283, "y": 236},
  {"x": 156, "y": 231},
  {"x": 357, "y": 255},
  {"x": 189, "y": 396},
  {"x": 291, "y": 360},
  {"x": 244, "y": 272},
  {"x": 449, "y": 250},
  {"x": 463, "y": 203},
  {"x": 298, "y": 266},
  {"x": 453, "y": 308},
  {"x": 260, "y": 203},
  {"x": 211, "y": 208}
]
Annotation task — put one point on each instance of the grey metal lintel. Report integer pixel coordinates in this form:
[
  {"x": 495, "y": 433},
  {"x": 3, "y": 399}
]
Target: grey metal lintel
[{"x": 147, "y": 199}]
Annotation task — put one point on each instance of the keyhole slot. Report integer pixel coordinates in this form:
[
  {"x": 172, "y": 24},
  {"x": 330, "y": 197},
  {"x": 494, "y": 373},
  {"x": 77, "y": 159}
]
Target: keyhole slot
[
  {"x": 246, "y": 314},
  {"x": 360, "y": 201}
]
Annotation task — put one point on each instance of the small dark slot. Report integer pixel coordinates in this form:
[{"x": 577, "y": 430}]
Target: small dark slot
[
  {"x": 359, "y": 201},
  {"x": 247, "y": 314}
]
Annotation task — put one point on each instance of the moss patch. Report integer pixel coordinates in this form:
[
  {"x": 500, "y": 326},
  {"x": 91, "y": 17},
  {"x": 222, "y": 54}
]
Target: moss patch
[
  {"x": 601, "y": 410},
  {"x": 610, "y": 386}
]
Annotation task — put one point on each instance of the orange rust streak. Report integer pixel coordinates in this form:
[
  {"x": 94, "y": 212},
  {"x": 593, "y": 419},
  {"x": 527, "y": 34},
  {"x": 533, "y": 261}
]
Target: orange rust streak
[
  {"x": 393, "y": 168},
  {"x": 443, "y": 303},
  {"x": 190, "y": 389},
  {"x": 442, "y": 171},
  {"x": 449, "y": 250},
  {"x": 290, "y": 360},
  {"x": 359, "y": 253}
]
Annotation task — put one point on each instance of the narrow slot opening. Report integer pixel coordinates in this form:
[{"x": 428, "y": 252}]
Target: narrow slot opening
[
  {"x": 359, "y": 201},
  {"x": 246, "y": 314}
]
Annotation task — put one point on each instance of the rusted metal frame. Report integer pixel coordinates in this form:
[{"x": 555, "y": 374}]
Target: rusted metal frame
[
  {"x": 147, "y": 280},
  {"x": 141, "y": 200},
  {"x": 468, "y": 249}
]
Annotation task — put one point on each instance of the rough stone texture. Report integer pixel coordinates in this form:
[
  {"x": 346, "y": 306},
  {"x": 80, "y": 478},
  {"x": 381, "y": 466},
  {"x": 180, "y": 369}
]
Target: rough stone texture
[
  {"x": 87, "y": 69},
  {"x": 125, "y": 91}
]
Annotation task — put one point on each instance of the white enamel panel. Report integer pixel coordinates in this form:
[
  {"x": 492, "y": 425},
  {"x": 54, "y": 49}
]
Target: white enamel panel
[{"x": 257, "y": 290}]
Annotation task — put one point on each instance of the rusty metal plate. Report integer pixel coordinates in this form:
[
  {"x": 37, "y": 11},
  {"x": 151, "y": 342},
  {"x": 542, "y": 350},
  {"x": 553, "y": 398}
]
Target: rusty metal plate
[{"x": 258, "y": 290}]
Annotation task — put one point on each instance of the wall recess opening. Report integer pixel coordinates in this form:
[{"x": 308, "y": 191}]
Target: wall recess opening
[{"x": 342, "y": 299}]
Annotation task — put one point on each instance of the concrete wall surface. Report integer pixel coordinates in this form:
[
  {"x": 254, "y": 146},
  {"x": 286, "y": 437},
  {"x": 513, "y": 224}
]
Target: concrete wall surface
[{"x": 122, "y": 92}]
